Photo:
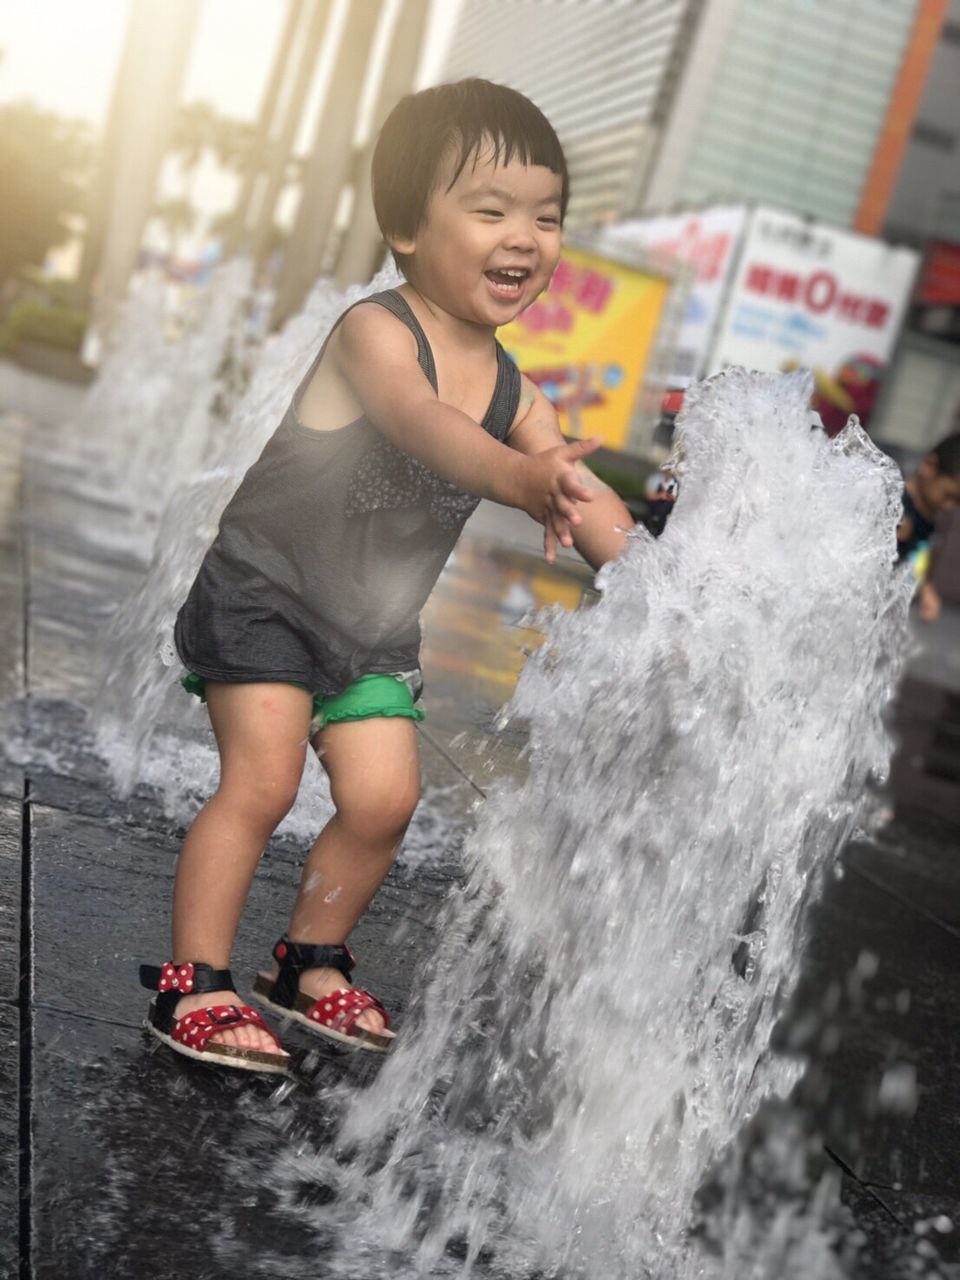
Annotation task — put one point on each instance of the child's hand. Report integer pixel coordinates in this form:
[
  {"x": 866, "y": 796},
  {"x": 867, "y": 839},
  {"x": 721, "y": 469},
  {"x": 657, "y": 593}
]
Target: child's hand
[{"x": 552, "y": 489}]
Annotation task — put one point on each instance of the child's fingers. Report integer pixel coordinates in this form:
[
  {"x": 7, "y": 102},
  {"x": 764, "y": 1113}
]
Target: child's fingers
[
  {"x": 567, "y": 508},
  {"x": 580, "y": 448},
  {"x": 562, "y": 529},
  {"x": 549, "y": 542},
  {"x": 573, "y": 487}
]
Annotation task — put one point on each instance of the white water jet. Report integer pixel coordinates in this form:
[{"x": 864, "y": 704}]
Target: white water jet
[
  {"x": 701, "y": 746},
  {"x": 160, "y": 398},
  {"x": 701, "y": 742}
]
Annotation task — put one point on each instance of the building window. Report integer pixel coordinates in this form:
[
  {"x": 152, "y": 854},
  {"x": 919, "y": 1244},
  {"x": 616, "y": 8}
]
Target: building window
[{"x": 933, "y": 136}]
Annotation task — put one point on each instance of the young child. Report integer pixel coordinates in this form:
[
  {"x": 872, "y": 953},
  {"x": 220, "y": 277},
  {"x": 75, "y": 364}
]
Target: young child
[
  {"x": 303, "y": 618},
  {"x": 933, "y": 489}
]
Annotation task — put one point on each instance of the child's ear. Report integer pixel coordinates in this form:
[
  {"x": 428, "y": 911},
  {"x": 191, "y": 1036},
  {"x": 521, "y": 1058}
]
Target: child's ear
[{"x": 404, "y": 245}]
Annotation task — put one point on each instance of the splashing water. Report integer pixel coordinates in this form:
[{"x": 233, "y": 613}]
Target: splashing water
[
  {"x": 140, "y": 711},
  {"x": 596, "y": 1030},
  {"x": 701, "y": 741},
  {"x": 155, "y": 399}
]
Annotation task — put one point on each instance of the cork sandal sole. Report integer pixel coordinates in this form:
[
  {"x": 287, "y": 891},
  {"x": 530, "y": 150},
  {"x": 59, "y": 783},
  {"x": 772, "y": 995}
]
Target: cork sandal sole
[
  {"x": 224, "y": 1055},
  {"x": 359, "y": 1038}
]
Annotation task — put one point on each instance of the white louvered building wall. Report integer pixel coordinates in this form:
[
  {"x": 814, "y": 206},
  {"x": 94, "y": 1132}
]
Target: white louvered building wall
[
  {"x": 599, "y": 69},
  {"x": 675, "y": 104},
  {"x": 795, "y": 105}
]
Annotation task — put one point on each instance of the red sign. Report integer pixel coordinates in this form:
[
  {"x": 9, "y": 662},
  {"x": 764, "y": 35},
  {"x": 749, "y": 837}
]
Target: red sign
[
  {"x": 940, "y": 280},
  {"x": 819, "y": 292}
]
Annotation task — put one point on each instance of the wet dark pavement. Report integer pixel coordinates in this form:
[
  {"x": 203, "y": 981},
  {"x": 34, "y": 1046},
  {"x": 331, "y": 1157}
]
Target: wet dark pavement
[{"x": 123, "y": 1159}]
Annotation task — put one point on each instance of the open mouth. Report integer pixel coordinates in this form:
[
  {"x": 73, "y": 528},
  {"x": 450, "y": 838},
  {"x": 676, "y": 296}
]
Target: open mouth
[{"x": 508, "y": 283}]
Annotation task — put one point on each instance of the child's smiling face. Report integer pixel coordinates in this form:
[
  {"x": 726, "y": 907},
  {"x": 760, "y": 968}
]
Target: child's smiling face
[{"x": 487, "y": 246}]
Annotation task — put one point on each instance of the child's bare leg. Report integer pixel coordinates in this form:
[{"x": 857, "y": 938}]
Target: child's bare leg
[
  {"x": 261, "y": 732},
  {"x": 375, "y": 784}
]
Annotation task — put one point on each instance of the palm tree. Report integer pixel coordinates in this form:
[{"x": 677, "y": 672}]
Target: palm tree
[
  {"x": 194, "y": 133},
  {"x": 232, "y": 143},
  {"x": 177, "y": 216}
]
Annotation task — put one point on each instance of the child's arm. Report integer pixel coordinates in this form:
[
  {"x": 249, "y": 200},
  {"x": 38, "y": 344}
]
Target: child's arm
[
  {"x": 928, "y": 601},
  {"x": 602, "y": 532},
  {"x": 377, "y": 357}
]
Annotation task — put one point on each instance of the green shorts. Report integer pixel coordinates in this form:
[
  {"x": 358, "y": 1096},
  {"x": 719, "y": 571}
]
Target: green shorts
[{"x": 367, "y": 697}]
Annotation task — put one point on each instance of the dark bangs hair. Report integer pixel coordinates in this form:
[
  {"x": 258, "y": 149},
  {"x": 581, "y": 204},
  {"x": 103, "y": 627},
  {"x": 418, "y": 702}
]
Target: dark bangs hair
[{"x": 423, "y": 126}]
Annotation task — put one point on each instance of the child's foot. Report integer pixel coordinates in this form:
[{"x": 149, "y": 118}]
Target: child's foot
[
  {"x": 244, "y": 1037},
  {"x": 317, "y": 983}
]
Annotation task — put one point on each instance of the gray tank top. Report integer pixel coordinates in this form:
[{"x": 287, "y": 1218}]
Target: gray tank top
[{"x": 329, "y": 548}]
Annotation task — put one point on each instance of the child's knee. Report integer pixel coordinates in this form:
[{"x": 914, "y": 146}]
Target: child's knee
[
  {"x": 266, "y": 795},
  {"x": 378, "y": 809}
]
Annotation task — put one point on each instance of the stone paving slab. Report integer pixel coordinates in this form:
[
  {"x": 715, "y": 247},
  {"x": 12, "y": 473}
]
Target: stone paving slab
[
  {"x": 878, "y": 1027},
  {"x": 928, "y": 1211},
  {"x": 12, "y": 595},
  {"x": 891, "y": 1244},
  {"x": 925, "y": 772},
  {"x": 923, "y": 876},
  {"x": 479, "y": 757},
  {"x": 66, "y": 773},
  {"x": 137, "y": 1161},
  {"x": 11, "y": 830},
  {"x": 42, "y": 398},
  {"x": 9, "y": 1138}
]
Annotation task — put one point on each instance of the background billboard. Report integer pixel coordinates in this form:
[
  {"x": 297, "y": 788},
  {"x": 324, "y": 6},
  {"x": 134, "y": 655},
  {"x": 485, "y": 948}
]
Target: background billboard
[
  {"x": 587, "y": 342},
  {"x": 706, "y": 240},
  {"x": 812, "y": 295}
]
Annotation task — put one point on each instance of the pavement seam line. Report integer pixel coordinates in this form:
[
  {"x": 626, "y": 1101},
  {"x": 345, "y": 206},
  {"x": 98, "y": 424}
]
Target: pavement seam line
[
  {"x": 87, "y": 1017},
  {"x": 450, "y": 760},
  {"x": 865, "y": 1187},
  {"x": 25, "y": 1000},
  {"x": 25, "y": 976},
  {"x": 905, "y": 902}
]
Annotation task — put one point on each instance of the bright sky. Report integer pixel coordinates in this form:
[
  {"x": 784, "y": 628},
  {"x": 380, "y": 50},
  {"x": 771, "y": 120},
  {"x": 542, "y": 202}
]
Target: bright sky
[
  {"x": 63, "y": 53},
  {"x": 71, "y": 71}
]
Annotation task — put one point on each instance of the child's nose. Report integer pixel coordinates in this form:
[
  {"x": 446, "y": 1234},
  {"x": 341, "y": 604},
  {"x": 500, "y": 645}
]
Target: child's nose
[{"x": 520, "y": 235}]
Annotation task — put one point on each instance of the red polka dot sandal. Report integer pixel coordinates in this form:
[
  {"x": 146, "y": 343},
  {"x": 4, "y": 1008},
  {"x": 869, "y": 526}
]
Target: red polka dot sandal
[
  {"x": 191, "y": 1034},
  {"x": 334, "y": 1015}
]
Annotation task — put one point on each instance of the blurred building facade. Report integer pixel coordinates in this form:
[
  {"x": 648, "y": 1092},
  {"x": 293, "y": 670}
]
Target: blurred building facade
[
  {"x": 926, "y": 198},
  {"x": 922, "y": 397},
  {"x": 141, "y": 119},
  {"x": 603, "y": 74},
  {"x": 842, "y": 112},
  {"x": 667, "y": 104}
]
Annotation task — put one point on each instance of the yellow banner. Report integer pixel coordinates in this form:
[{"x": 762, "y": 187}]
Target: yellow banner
[{"x": 587, "y": 340}]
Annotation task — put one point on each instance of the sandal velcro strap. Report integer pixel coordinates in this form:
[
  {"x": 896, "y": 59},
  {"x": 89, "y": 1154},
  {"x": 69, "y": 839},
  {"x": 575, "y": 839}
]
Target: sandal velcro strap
[
  {"x": 294, "y": 957},
  {"x": 195, "y": 1029},
  {"x": 340, "y": 1009},
  {"x": 186, "y": 979}
]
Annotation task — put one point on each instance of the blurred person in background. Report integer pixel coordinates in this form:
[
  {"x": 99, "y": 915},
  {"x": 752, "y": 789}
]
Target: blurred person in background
[{"x": 930, "y": 492}]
